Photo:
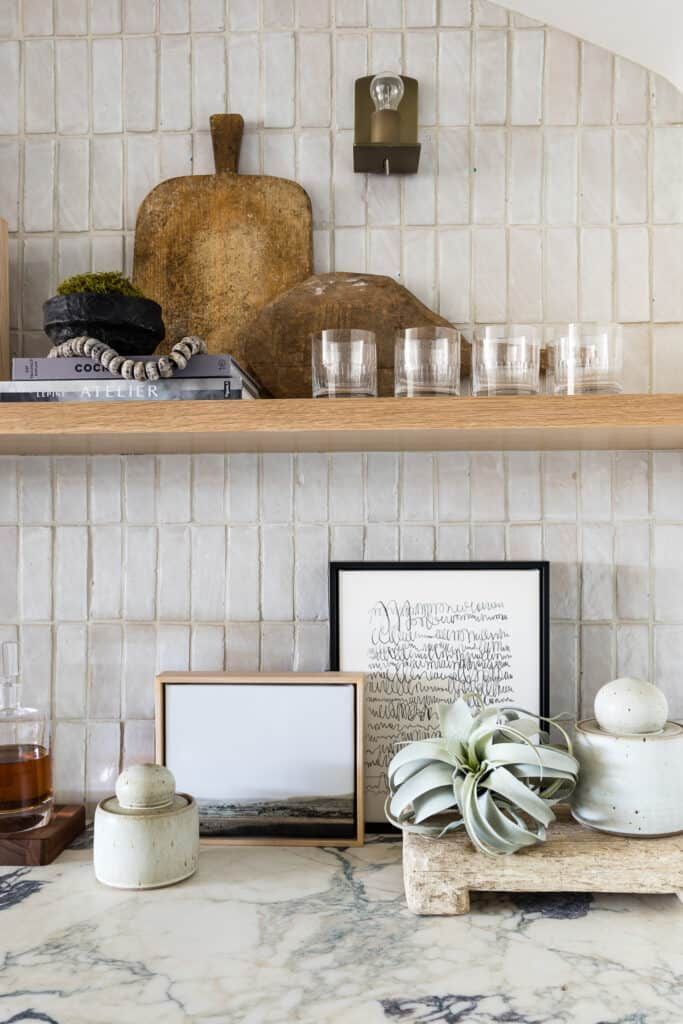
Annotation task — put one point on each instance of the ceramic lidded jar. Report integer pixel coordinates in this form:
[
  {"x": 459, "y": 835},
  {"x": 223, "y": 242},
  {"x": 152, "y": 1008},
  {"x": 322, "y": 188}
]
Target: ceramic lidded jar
[
  {"x": 147, "y": 835},
  {"x": 631, "y": 763}
]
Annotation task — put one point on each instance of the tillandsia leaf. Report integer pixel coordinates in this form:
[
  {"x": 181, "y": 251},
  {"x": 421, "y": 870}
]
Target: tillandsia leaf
[
  {"x": 510, "y": 830},
  {"x": 455, "y": 721},
  {"x": 504, "y": 783},
  {"x": 406, "y": 771},
  {"x": 435, "y": 802},
  {"x": 493, "y": 771},
  {"x": 495, "y": 830},
  {"x": 435, "y": 776},
  {"x": 521, "y": 753}
]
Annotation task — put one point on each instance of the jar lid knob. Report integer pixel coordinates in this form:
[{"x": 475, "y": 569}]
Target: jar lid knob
[
  {"x": 630, "y": 707},
  {"x": 145, "y": 787}
]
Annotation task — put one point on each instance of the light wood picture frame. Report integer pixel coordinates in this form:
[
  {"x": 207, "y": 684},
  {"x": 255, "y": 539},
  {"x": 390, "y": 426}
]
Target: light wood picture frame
[{"x": 270, "y": 758}]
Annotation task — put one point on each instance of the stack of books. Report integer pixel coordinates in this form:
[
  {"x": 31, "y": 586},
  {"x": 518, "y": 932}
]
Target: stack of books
[{"x": 82, "y": 380}]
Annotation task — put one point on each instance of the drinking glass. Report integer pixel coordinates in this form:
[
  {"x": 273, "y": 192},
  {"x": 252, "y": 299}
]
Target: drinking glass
[
  {"x": 587, "y": 359},
  {"x": 506, "y": 360},
  {"x": 426, "y": 362},
  {"x": 344, "y": 364}
]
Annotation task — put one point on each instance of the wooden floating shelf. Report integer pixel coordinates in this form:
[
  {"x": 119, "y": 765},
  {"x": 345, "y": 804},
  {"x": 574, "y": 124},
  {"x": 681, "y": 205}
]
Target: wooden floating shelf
[{"x": 385, "y": 424}]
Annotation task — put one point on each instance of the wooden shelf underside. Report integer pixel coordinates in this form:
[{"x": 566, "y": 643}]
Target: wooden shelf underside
[{"x": 386, "y": 424}]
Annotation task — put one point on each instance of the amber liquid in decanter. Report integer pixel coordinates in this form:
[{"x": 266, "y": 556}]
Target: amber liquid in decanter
[
  {"x": 25, "y": 786},
  {"x": 26, "y": 797}
]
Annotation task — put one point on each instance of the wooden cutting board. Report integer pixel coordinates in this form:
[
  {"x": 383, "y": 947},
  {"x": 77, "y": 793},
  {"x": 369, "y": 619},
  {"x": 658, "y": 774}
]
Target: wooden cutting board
[{"x": 213, "y": 249}]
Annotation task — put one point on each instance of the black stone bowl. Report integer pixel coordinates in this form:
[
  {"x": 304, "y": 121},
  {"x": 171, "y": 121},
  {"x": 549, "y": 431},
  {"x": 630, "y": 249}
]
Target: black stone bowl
[{"x": 130, "y": 325}]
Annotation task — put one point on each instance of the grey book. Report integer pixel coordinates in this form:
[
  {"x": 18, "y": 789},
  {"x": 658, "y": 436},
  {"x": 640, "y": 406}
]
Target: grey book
[
  {"x": 82, "y": 369},
  {"x": 117, "y": 390}
]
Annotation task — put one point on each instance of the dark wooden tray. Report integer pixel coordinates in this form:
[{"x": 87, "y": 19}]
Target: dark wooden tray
[{"x": 41, "y": 845}]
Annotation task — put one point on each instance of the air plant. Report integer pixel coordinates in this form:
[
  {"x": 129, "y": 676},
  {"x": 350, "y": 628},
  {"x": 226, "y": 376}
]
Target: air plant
[{"x": 493, "y": 772}]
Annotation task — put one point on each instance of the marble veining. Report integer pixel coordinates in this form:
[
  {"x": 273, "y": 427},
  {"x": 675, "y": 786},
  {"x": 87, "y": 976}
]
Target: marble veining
[
  {"x": 30, "y": 1015},
  {"x": 452, "y": 1009},
  {"x": 15, "y": 887},
  {"x": 273, "y": 936}
]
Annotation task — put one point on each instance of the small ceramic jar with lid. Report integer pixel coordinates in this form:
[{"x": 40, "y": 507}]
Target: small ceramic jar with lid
[
  {"x": 147, "y": 835},
  {"x": 631, "y": 763}
]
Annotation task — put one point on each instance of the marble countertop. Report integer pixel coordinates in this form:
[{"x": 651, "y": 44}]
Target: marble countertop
[{"x": 277, "y": 935}]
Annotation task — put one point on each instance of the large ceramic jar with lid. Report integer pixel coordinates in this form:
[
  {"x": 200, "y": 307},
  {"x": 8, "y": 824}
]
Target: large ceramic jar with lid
[
  {"x": 631, "y": 763},
  {"x": 147, "y": 835}
]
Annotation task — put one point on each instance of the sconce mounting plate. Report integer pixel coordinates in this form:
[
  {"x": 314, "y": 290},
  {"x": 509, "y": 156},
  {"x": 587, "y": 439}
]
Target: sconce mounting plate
[{"x": 378, "y": 158}]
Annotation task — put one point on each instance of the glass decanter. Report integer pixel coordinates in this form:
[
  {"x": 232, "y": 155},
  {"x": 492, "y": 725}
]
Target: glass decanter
[{"x": 26, "y": 796}]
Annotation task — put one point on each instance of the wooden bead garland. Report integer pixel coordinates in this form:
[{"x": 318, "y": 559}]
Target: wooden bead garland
[{"x": 131, "y": 369}]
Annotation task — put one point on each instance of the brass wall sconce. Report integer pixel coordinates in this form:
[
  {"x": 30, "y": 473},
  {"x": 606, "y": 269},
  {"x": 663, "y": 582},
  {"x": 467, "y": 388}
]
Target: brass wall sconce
[{"x": 385, "y": 136}]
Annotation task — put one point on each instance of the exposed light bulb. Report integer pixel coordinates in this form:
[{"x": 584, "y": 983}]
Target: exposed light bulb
[{"x": 386, "y": 90}]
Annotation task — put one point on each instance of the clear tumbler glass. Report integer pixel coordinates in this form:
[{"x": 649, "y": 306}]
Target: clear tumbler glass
[
  {"x": 506, "y": 360},
  {"x": 344, "y": 364},
  {"x": 587, "y": 359},
  {"x": 427, "y": 362}
]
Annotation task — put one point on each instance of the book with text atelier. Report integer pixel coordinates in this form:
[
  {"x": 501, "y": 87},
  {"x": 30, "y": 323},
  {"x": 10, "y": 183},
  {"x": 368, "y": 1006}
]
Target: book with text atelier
[
  {"x": 208, "y": 388},
  {"x": 82, "y": 368}
]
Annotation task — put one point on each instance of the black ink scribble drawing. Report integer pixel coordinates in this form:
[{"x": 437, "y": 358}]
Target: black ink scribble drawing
[{"x": 422, "y": 654}]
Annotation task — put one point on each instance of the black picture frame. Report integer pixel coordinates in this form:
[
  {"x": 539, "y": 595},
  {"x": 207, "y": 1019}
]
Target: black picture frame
[{"x": 542, "y": 568}]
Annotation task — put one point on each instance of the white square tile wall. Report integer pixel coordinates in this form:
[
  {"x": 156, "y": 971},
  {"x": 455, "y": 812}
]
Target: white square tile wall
[
  {"x": 521, "y": 126},
  {"x": 108, "y": 580},
  {"x": 550, "y": 188}
]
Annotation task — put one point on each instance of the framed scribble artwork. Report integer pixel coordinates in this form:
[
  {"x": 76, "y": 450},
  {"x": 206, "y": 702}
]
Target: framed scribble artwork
[
  {"x": 425, "y": 633},
  {"x": 270, "y": 759}
]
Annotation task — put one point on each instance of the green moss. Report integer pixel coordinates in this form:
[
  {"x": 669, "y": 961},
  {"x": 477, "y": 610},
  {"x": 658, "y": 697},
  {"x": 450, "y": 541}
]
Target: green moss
[{"x": 109, "y": 282}]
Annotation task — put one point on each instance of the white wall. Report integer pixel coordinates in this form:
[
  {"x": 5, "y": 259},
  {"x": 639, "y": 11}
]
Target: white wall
[
  {"x": 550, "y": 188},
  {"x": 551, "y": 182},
  {"x": 649, "y": 32}
]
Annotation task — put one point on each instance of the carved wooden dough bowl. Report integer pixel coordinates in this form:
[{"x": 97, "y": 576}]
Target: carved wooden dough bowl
[{"x": 276, "y": 346}]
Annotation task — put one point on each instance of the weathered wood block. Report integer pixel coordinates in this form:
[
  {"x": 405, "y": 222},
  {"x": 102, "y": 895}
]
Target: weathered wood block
[{"x": 439, "y": 874}]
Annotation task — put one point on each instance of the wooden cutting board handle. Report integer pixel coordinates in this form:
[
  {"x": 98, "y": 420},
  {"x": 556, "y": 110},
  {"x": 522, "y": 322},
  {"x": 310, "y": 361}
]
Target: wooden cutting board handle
[{"x": 226, "y": 137}]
